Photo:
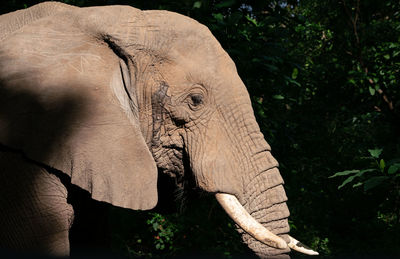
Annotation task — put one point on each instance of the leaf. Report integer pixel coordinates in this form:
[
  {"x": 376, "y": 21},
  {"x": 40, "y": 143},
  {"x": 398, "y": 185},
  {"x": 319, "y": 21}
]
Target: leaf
[
  {"x": 356, "y": 173},
  {"x": 373, "y": 182},
  {"x": 387, "y": 56},
  {"x": 155, "y": 226},
  {"x": 375, "y": 152},
  {"x": 371, "y": 90},
  {"x": 382, "y": 165},
  {"x": 347, "y": 172},
  {"x": 290, "y": 80},
  {"x": 197, "y": 4},
  {"x": 295, "y": 73},
  {"x": 218, "y": 16},
  {"x": 352, "y": 81},
  {"x": 278, "y": 97},
  {"x": 252, "y": 20},
  {"x": 348, "y": 180},
  {"x": 394, "y": 168},
  {"x": 357, "y": 184},
  {"x": 366, "y": 171}
]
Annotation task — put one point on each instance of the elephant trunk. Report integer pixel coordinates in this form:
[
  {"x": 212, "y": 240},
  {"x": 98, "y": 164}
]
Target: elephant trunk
[
  {"x": 237, "y": 212},
  {"x": 264, "y": 198},
  {"x": 262, "y": 214}
]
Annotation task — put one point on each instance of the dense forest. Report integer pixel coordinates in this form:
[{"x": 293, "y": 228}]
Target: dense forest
[{"x": 325, "y": 85}]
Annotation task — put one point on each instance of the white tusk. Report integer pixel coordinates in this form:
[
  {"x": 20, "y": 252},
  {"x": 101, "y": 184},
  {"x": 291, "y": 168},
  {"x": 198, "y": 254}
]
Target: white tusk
[
  {"x": 299, "y": 247},
  {"x": 236, "y": 211}
]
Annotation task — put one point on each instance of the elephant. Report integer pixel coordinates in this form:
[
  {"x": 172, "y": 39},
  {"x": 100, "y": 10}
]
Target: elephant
[{"x": 107, "y": 96}]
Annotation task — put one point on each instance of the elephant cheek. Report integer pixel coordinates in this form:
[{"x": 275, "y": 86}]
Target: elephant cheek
[
  {"x": 217, "y": 179},
  {"x": 215, "y": 168}
]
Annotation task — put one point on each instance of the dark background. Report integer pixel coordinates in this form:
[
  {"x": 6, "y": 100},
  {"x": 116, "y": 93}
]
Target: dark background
[{"x": 325, "y": 84}]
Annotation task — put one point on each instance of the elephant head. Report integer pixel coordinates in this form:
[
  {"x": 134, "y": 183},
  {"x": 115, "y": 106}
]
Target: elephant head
[{"x": 119, "y": 92}]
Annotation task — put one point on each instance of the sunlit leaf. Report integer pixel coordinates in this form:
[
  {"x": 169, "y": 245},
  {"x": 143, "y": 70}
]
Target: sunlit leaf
[
  {"x": 155, "y": 226},
  {"x": 366, "y": 171},
  {"x": 371, "y": 90},
  {"x": 348, "y": 180},
  {"x": 278, "y": 97},
  {"x": 352, "y": 81},
  {"x": 382, "y": 164},
  {"x": 375, "y": 152},
  {"x": 347, "y": 172},
  {"x": 197, "y": 4},
  {"x": 295, "y": 73},
  {"x": 251, "y": 20},
  {"x": 355, "y": 173}
]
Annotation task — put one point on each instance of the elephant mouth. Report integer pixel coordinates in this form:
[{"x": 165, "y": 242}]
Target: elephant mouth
[{"x": 238, "y": 213}]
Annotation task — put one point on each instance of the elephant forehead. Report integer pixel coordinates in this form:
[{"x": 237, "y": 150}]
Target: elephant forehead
[
  {"x": 174, "y": 24},
  {"x": 175, "y": 36},
  {"x": 192, "y": 53},
  {"x": 219, "y": 78}
]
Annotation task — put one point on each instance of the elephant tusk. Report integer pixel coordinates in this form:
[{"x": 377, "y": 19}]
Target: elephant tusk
[
  {"x": 236, "y": 211},
  {"x": 299, "y": 247}
]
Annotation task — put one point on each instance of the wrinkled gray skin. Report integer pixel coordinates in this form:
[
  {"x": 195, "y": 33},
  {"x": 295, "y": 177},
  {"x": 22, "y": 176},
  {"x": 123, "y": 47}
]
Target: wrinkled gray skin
[{"x": 106, "y": 95}]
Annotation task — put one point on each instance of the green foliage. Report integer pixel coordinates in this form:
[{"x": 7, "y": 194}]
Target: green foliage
[
  {"x": 163, "y": 230},
  {"x": 321, "y": 245},
  {"x": 380, "y": 175},
  {"x": 203, "y": 228}
]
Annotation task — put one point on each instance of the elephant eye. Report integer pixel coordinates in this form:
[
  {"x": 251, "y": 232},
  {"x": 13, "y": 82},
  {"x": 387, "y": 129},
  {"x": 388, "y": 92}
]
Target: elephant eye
[{"x": 196, "y": 99}]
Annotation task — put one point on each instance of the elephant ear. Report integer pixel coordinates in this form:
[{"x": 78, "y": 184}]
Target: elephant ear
[{"x": 64, "y": 104}]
